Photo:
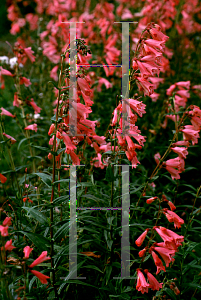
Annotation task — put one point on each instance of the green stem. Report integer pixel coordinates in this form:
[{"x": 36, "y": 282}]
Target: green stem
[
  {"x": 190, "y": 219},
  {"x": 53, "y": 180}
]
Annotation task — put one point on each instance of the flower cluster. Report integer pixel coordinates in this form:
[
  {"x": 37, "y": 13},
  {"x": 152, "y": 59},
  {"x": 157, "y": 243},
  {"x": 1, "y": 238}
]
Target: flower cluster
[{"x": 166, "y": 249}]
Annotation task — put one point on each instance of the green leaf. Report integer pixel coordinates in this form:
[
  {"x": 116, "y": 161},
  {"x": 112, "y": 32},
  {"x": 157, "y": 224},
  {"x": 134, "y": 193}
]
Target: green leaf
[
  {"x": 32, "y": 282},
  {"x": 36, "y": 214},
  {"x": 47, "y": 179},
  {"x": 41, "y": 148},
  {"x": 109, "y": 174},
  {"x": 76, "y": 282},
  {"x": 60, "y": 150},
  {"x": 93, "y": 267},
  {"x": 62, "y": 180},
  {"x": 31, "y": 137},
  {"x": 89, "y": 196},
  {"x": 108, "y": 240},
  {"x": 62, "y": 231},
  {"x": 108, "y": 273},
  {"x": 170, "y": 293},
  {"x": 61, "y": 199},
  {"x": 195, "y": 285},
  {"x": 38, "y": 240}
]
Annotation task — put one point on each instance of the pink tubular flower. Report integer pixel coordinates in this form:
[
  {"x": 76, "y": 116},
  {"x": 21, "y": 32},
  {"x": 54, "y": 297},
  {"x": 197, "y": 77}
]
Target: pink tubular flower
[
  {"x": 142, "y": 252},
  {"x": 183, "y": 93},
  {"x": 27, "y": 250},
  {"x": 115, "y": 118},
  {"x": 4, "y": 230},
  {"x": 32, "y": 127},
  {"x": 16, "y": 101},
  {"x": 171, "y": 164},
  {"x": 5, "y": 72},
  {"x": 166, "y": 238},
  {"x": 68, "y": 143},
  {"x": 173, "y": 217},
  {"x": 40, "y": 259},
  {"x": 36, "y": 108},
  {"x": 166, "y": 254},
  {"x": 137, "y": 106},
  {"x": 157, "y": 156},
  {"x": 25, "y": 81},
  {"x": 157, "y": 45},
  {"x": 13, "y": 141},
  {"x": 171, "y": 89},
  {"x": 153, "y": 283},
  {"x": 43, "y": 278},
  {"x": 143, "y": 71},
  {"x": 173, "y": 172},
  {"x": 174, "y": 163},
  {"x": 181, "y": 151},
  {"x": 8, "y": 246},
  {"x": 2, "y": 178},
  {"x": 141, "y": 238},
  {"x": 181, "y": 143},
  {"x": 190, "y": 134},
  {"x": 51, "y": 130},
  {"x": 150, "y": 200},
  {"x": 142, "y": 285},
  {"x": 158, "y": 35},
  {"x": 6, "y": 113},
  {"x": 185, "y": 84},
  {"x": 196, "y": 122},
  {"x": 29, "y": 53},
  {"x": 158, "y": 262},
  {"x": 53, "y": 73},
  {"x": 177, "y": 238},
  {"x": 171, "y": 205},
  {"x": 84, "y": 86},
  {"x": 7, "y": 221},
  {"x": 145, "y": 85}
]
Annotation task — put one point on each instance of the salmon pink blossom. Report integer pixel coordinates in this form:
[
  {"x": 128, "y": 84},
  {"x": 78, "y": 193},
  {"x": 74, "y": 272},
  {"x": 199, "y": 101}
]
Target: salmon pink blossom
[
  {"x": 25, "y": 81},
  {"x": 2, "y": 178},
  {"x": 181, "y": 151},
  {"x": 190, "y": 134},
  {"x": 166, "y": 254},
  {"x": 32, "y": 127},
  {"x": 141, "y": 238},
  {"x": 8, "y": 246},
  {"x": 51, "y": 130},
  {"x": 178, "y": 239},
  {"x": 27, "y": 250},
  {"x": 29, "y": 53},
  {"x": 166, "y": 238},
  {"x": 4, "y": 230},
  {"x": 158, "y": 262},
  {"x": 171, "y": 205},
  {"x": 153, "y": 282},
  {"x": 36, "y": 108},
  {"x": 142, "y": 252},
  {"x": 6, "y": 113},
  {"x": 43, "y": 278},
  {"x": 13, "y": 141},
  {"x": 173, "y": 217},
  {"x": 7, "y": 221},
  {"x": 150, "y": 200},
  {"x": 142, "y": 285},
  {"x": 40, "y": 259}
]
